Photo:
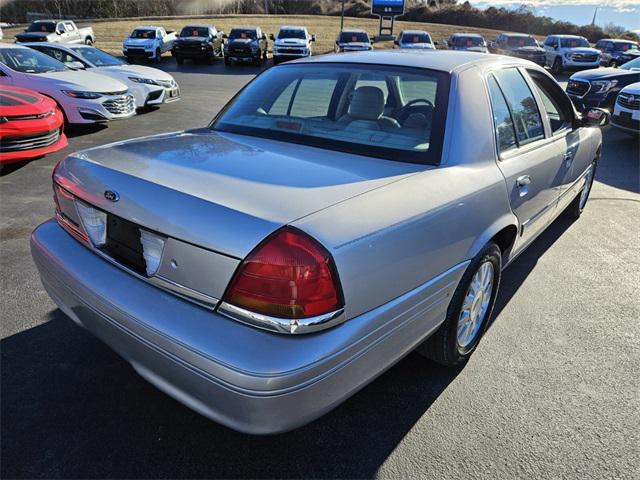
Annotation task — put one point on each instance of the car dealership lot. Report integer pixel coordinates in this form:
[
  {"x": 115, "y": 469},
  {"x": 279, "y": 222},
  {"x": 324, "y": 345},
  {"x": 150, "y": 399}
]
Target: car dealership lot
[{"x": 551, "y": 391}]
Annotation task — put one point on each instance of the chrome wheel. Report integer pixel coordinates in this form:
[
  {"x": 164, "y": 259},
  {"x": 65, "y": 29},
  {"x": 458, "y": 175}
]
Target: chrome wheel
[
  {"x": 475, "y": 305},
  {"x": 587, "y": 188}
]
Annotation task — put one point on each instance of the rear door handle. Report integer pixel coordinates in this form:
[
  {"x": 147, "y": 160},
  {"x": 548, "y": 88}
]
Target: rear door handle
[
  {"x": 568, "y": 159},
  {"x": 523, "y": 181}
]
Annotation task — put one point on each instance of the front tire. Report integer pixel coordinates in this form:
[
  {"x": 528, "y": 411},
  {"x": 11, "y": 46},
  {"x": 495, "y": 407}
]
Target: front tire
[
  {"x": 158, "y": 56},
  {"x": 576, "y": 207},
  {"x": 88, "y": 41},
  {"x": 469, "y": 311},
  {"x": 557, "y": 65}
]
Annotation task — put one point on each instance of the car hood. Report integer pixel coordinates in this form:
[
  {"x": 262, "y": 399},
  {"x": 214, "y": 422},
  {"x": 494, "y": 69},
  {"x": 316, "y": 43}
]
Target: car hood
[
  {"x": 191, "y": 39},
  {"x": 138, "y": 42},
  {"x": 288, "y": 42},
  {"x": 356, "y": 45},
  {"x": 126, "y": 71},
  {"x": 601, "y": 74},
  {"x": 417, "y": 46},
  {"x": 477, "y": 48},
  {"x": 31, "y": 36},
  {"x": 241, "y": 41},
  {"x": 634, "y": 89},
  {"x": 221, "y": 191},
  {"x": 584, "y": 50},
  {"x": 528, "y": 50},
  {"x": 83, "y": 80}
]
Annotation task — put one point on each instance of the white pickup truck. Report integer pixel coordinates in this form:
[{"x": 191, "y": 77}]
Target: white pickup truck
[
  {"x": 56, "y": 31},
  {"x": 148, "y": 43}
]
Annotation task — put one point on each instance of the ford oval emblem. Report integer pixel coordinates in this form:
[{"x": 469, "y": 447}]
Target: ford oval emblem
[{"x": 111, "y": 196}]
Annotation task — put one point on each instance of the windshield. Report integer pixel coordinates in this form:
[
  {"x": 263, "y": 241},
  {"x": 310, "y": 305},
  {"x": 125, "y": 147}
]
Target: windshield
[
  {"x": 194, "y": 32},
  {"x": 346, "y": 107},
  {"x": 416, "y": 38},
  {"x": 97, "y": 56},
  {"x": 522, "y": 42},
  {"x": 292, "y": 33},
  {"x": 467, "y": 41},
  {"x": 242, "y": 33},
  {"x": 354, "y": 37},
  {"x": 143, "y": 33},
  {"x": 48, "y": 27},
  {"x": 574, "y": 42},
  {"x": 26, "y": 60},
  {"x": 624, "y": 46},
  {"x": 632, "y": 65}
]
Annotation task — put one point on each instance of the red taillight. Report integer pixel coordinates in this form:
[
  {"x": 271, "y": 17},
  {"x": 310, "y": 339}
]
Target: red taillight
[{"x": 289, "y": 275}]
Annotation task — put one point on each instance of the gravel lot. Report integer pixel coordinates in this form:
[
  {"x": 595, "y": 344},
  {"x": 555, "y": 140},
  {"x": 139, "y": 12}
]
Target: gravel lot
[{"x": 552, "y": 391}]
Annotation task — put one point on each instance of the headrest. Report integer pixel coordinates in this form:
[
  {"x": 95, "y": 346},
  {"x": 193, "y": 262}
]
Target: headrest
[{"x": 367, "y": 103}]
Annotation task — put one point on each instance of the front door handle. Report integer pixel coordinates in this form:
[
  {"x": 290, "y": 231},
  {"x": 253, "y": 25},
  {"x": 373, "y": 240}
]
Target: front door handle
[
  {"x": 523, "y": 181},
  {"x": 568, "y": 159}
]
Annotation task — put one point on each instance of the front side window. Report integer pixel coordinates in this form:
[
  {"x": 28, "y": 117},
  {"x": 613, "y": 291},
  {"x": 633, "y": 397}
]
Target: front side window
[
  {"x": 27, "y": 60},
  {"x": 97, "y": 56},
  {"x": 505, "y": 132},
  {"x": 346, "y": 107},
  {"x": 522, "y": 105},
  {"x": 556, "y": 104}
]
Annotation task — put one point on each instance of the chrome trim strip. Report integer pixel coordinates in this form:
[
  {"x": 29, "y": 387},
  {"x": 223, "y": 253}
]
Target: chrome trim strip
[
  {"x": 186, "y": 292},
  {"x": 283, "y": 325}
]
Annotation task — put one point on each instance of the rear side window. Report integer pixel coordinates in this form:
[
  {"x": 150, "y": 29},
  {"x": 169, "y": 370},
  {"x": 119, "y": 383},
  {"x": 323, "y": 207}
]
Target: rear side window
[
  {"x": 523, "y": 107},
  {"x": 556, "y": 104},
  {"x": 505, "y": 132}
]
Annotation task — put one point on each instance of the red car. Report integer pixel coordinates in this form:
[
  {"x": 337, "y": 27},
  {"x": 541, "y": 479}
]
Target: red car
[{"x": 31, "y": 125}]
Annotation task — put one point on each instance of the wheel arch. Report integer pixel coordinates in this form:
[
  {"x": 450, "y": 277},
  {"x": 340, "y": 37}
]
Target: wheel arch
[{"x": 503, "y": 232}]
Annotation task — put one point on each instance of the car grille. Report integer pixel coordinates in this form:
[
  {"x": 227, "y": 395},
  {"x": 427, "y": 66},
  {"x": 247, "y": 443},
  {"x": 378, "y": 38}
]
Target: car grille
[
  {"x": 294, "y": 51},
  {"x": 136, "y": 51},
  {"x": 586, "y": 58},
  {"x": 123, "y": 105},
  {"x": 240, "y": 50},
  {"x": 30, "y": 142},
  {"x": 630, "y": 101},
  {"x": 578, "y": 87}
]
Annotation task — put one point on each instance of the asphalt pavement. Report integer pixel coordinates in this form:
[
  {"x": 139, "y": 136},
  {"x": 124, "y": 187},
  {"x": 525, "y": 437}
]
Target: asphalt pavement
[{"x": 553, "y": 390}]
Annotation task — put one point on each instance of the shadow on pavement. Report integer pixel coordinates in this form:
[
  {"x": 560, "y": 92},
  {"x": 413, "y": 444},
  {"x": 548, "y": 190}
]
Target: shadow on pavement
[{"x": 72, "y": 408}]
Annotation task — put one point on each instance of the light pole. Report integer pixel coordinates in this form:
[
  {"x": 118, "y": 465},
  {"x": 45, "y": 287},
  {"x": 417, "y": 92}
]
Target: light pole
[{"x": 342, "y": 17}]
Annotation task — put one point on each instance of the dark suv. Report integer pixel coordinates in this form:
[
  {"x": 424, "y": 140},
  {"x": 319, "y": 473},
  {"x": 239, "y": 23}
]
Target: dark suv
[
  {"x": 599, "y": 87},
  {"x": 519, "y": 45},
  {"x": 245, "y": 44},
  {"x": 198, "y": 42},
  {"x": 616, "y": 52}
]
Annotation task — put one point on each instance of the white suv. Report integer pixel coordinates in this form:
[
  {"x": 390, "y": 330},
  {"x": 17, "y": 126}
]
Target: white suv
[
  {"x": 290, "y": 43},
  {"x": 626, "y": 113},
  {"x": 570, "y": 52}
]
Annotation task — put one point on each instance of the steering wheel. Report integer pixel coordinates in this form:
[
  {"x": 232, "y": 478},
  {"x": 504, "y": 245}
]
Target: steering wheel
[{"x": 403, "y": 112}]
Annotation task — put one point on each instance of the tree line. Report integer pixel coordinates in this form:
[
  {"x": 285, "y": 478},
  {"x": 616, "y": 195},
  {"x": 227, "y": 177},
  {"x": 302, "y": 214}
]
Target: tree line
[{"x": 522, "y": 19}]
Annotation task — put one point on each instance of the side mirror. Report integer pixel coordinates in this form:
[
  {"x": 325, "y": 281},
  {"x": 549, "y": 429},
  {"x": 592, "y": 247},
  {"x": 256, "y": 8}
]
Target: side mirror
[
  {"x": 75, "y": 65},
  {"x": 59, "y": 31},
  {"x": 436, "y": 43},
  {"x": 396, "y": 42},
  {"x": 337, "y": 42},
  {"x": 264, "y": 37},
  {"x": 313, "y": 38},
  {"x": 595, "y": 117},
  {"x": 271, "y": 37},
  {"x": 225, "y": 36}
]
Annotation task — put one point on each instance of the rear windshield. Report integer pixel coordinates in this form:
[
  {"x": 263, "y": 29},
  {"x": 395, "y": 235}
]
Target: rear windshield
[
  {"x": 354, "y": 37},
  {"x": 143, "y": 33},
  {"x": 243, "y": 33},
  {"x": 48, "y": 27},
  {"x": 624, "y": 46},
  {"x": 194, "y": 32},
  {"x": 291, "y": 33},
  {"x": 467, "y": 41},
  {"x": 397, "y": 113},
  {"x": 521, "y": 42},
  {"x": 574, "y": 42},
  {"x": 416, "y": 38}
]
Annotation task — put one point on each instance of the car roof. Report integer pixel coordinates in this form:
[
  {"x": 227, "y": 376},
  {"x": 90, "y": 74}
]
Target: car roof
[
  {"x": 517, "y": 34},
  {"x": 150, "y": 27},
  {"x": 197, "y": 25},
  {"x": 443, "y": 60},
  {"x": 462, "y": 34},
  {"x": 12, "y": 45},
  {"x": 292, "y": 27},
  {"x": 625, "y": 40},
  {"x": 246, "y": 27},
  {"x": 353, "y": 30},
  {"x": 413, "y": 32},
  {"x": 566, "y": 36}
]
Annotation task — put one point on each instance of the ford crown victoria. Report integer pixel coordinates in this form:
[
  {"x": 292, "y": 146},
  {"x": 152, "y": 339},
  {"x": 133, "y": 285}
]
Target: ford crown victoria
[{"x": 340, "y": 212}]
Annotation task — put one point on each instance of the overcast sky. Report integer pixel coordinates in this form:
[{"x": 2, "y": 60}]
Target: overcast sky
[{"x": 621, "y": 12}]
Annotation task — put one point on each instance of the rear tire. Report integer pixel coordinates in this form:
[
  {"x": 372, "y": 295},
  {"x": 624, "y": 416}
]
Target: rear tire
[
  {"x": 469, "y": 311},
  {"x": 576, "y": 207}
]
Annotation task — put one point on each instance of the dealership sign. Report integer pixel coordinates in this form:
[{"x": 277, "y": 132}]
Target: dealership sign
[{"x": 387, "y": 8}]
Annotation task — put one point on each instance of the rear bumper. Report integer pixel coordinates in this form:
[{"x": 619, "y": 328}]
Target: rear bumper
[{"x": 248, "y": 379}]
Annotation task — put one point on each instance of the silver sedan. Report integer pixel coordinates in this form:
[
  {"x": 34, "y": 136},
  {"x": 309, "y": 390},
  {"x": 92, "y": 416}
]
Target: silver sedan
[{"x": 337, "y": 214}]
